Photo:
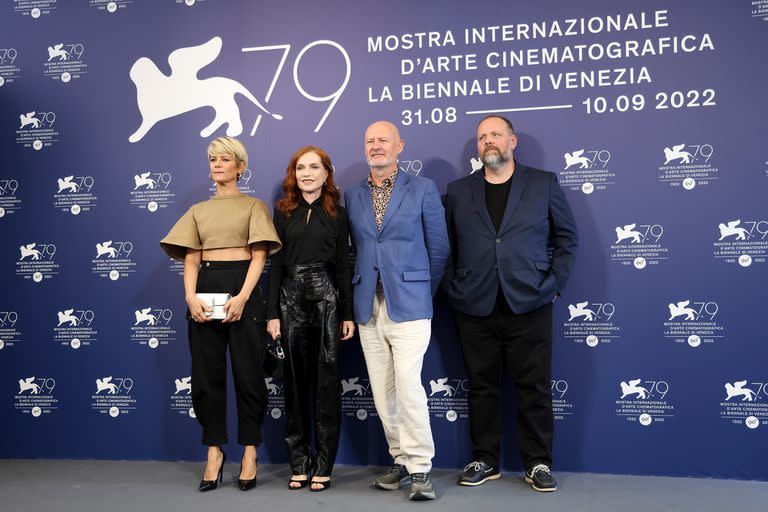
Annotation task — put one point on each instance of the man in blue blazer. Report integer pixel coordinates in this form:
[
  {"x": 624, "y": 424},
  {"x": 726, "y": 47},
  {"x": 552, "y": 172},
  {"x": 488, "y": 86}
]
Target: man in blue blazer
[
  {"x": 514, "y": 241},
  {"x": 398, "y": 228}
]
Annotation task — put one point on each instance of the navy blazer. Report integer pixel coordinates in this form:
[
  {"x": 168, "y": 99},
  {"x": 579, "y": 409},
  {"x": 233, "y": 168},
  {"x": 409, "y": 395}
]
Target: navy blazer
[
  {"x": 517, "y": 258},
  {"x": 409, "y": 251}
]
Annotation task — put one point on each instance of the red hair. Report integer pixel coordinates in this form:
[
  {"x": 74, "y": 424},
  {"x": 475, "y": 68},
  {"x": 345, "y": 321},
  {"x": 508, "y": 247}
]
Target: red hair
[{"x": 329, "y": 194}]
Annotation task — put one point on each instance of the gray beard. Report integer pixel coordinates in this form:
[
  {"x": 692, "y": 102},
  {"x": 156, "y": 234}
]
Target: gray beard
[
  {"x": 494, "y": 160},
  {"x": 386, "y": 164}
]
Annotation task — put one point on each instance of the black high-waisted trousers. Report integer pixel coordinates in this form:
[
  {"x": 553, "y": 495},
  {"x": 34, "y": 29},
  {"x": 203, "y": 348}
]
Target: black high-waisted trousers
[
  {"x": 310, "y": 320},
  {"x": 208, "y": 343}
]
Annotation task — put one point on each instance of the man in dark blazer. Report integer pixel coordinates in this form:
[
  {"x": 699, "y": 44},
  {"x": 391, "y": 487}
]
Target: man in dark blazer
[
  {"x": 513, "y": 240},
  {"x": 398, "y": 228}
]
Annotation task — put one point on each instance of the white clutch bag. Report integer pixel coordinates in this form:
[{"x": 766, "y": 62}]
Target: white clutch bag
[{"x": 216, "y": 301}]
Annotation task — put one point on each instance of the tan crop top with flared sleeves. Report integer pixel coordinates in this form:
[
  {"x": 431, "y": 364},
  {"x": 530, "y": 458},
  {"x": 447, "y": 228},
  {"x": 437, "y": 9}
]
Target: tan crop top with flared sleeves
[{"x": 228, "y": 221}]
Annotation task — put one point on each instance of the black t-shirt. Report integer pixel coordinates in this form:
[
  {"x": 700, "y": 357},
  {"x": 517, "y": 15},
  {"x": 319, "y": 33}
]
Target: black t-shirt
[
  {"x": 319, "y": 239},
  {"x": 496, "y": 200},
  {"x": 496, "y": 195}
]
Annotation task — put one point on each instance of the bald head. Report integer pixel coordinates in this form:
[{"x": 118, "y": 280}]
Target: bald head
[
  {"x": 383, "y": 127},
  {"x": 382, "y": 146}
]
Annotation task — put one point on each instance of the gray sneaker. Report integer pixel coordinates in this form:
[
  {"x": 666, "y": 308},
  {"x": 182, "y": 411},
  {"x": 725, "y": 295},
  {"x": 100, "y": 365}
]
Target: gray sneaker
[
  {"x": 395, "y": 476},
  {"x": 421, "y": 487}
]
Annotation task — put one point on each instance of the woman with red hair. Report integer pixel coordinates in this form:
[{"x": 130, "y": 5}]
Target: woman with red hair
[{"x": 310, "y": 307}]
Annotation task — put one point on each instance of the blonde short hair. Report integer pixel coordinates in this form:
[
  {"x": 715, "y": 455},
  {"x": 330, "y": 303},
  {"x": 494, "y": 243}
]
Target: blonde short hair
[{"x": 228, "y": 146}]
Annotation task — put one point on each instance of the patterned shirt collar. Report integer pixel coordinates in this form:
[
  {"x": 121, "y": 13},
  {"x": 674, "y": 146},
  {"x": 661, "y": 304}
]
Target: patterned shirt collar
[
  {"x": 387, "y": 184},
  {"x": 380, "y": 196}
]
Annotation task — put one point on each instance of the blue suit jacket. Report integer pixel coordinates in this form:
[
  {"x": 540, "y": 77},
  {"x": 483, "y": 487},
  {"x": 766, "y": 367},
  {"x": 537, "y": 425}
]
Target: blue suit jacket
[
  {"x": 516, "y": 258},
  {"x": 410, "y": 250}
]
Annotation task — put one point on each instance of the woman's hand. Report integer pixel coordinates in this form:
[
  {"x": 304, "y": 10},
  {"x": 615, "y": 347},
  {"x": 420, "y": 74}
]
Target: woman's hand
[
  {"x": 347, "y": 329},
  {"x": 234, "y": 308},
  {"x": 273, "y": 328},
  {"x": 198, "y": 308}
]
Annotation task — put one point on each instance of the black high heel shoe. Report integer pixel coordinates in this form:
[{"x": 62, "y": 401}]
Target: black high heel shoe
[
  {"x": 302, "y": 483},
  {"x": 209, "y": 485},
  {"x": 247, "y": 485},
  {"x": 324, "y": 484}
]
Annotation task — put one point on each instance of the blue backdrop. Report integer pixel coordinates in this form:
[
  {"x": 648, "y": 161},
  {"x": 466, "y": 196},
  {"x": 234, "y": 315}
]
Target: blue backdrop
[{"x": 653, "y": 117}]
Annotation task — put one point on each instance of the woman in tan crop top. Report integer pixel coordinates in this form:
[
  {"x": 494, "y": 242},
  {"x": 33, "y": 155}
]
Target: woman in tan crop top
[{"x": 224, "y": 243}]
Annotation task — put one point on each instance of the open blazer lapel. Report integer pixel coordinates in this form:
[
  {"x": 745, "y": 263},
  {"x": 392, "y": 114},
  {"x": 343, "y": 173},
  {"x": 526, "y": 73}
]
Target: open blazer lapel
[
  {"x": 366, "y": 201},
  {"x": 478, "y": 199},
  {"x": 398, "y": 192},
  {"x": 515, "y": 192}
]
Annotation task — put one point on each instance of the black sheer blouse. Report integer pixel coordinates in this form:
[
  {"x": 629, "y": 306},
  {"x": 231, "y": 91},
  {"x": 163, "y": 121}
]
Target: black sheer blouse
[{"x": 317, "y": 240}]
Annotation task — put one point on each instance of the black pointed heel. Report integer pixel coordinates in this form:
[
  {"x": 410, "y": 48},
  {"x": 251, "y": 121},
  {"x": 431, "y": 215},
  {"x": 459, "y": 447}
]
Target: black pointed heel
[
  {"x": 209, "y": 485},
  {"x": 247, "y": 485}
]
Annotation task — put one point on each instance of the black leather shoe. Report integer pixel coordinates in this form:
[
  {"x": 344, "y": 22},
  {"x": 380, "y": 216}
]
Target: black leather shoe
[
  {"x": 246, "y": 485},
  {"x": 478, "y": 472},
  {"x": 209, "y": 485},
  {"x": 541, "y": 479}
]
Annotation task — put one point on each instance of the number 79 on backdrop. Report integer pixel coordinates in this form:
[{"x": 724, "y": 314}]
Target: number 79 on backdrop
[{"x": 286, "y": 48}]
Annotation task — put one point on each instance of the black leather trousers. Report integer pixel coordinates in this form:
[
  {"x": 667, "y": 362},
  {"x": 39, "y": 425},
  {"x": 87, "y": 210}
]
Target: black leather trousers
[{"x": 310, "y": 325}]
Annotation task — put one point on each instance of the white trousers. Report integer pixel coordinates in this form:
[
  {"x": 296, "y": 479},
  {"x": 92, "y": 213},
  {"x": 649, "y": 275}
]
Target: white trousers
[{"x": 394, "y": 353}]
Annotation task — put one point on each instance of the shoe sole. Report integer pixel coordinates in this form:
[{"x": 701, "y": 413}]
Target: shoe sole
[
  {"x": 393, "y": 487},
  {"x": 422, "y": 496},
  {"x": 540, "y": 489},
  {"x": 481, "y": 482}
]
